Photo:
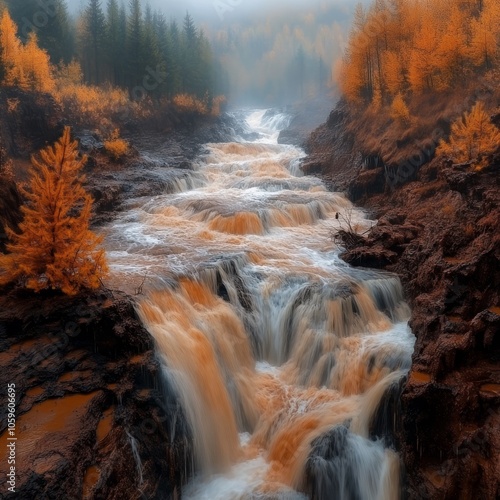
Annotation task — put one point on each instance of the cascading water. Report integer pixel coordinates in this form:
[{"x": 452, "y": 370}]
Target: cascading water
[{"x": 280, "y": 352}]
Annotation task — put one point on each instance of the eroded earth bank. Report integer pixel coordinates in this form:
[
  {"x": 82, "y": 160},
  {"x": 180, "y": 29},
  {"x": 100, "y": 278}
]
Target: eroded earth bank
[{"x": 438, "y": 229}]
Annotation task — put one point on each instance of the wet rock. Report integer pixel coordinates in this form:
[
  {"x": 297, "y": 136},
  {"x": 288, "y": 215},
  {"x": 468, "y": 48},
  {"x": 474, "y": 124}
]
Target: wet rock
[
  {"x": 376, "y": 257},
  {"x": 95, "y": 417},
  {"x": 327, "y": 470},
  {"x": 386, "y": 420},
  {"x": 158, "y": 161},
  {"x": 28, "y": 121},
  {"x": 89, "y": 142},
  {"x": 367, "y": 183},
  {"x": 331, "y": 150},
  {"x": 343, "y": 465},
  {"x": 460, "y": 177}
]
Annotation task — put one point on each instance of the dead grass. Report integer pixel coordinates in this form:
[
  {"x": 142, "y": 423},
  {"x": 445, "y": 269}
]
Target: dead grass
[
  {"x": 448, "y": 210},
  {"x": 469, "y": 230},
  {"x": 427, "y": 190}
]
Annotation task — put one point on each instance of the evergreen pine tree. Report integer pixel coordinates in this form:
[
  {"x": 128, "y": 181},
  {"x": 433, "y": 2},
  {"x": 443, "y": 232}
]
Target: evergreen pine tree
[
  {"x": 154, "y": 67},
  {"x": 135, "y": 47},
  {"x": 164, "y": 52},
  {"x": 57, "y": 37},
  {"x": 174, "y": 63},
  {"x": 114, "y": 41},
  {"x": 123, "y": 41},
  {"x": 94, "y": 40},
  {"x": 190, "y": 56}
]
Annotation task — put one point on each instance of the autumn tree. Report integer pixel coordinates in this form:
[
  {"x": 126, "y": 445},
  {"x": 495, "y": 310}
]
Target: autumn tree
[
  {"x": 418, "y": 46},
  {"x": 393, "y": 72},
  {"x": 486, "y": 35},
  {"x": 10, "y": 52},
  {"x": 452, "y": 50},
  {"x": 35, "y": 64},
  {"x": 424, "y": 62},
  {"x": 472, "y": 136},
  {"x": 55, "y": 248},
  {"x": 26, "y": 66},
  {"x": 399, "y": 109},
  {"x": 50, "y": 20}
]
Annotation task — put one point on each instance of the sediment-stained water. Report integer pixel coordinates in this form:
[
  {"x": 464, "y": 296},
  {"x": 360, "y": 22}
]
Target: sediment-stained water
[{"x": 280, "y": 352}]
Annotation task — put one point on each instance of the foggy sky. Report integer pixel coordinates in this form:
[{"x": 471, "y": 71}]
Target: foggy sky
[{"x": 220, "y": 11}]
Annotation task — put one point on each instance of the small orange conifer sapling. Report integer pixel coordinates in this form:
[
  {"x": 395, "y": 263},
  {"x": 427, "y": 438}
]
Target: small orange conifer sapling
[{"x": 472, "y": 136}]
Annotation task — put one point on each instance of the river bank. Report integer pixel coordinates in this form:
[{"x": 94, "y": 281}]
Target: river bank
[
  {"x": 95, "y": 417},
  {"x": 278, "y": 353},
  {"x": 438, "y": 230},
  {"x": 106, "y": 377}
]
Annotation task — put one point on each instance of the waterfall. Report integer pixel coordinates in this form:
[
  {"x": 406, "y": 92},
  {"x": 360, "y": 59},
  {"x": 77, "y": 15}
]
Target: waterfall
[
  {"x": 137, "y": 457},
  {"x": 280, "y": 353}
]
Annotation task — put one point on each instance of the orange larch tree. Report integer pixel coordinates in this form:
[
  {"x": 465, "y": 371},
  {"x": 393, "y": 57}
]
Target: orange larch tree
[
  {"x": 36, "y": 66},
  {"x": 486, "y": 35},
  {"x": 55, "y": 248},
  {"x": 26, "y": 66},
  {"x": 424, "y": 57},
  {"x": 393, "y": 72},
  {"x": 10, "y": 52},
  {"x": 472, "y": 136},
  {"x": 452, "y": 51},
  {"x": 418, "y": 46}
]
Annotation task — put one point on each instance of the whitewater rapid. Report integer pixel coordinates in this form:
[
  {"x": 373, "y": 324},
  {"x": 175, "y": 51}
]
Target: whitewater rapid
[{"x": 280, "y": 353}]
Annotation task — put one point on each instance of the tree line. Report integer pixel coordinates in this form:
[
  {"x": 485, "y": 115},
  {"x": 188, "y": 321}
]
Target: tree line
[
  {"x": 415, "y": 46},
  {"x": 129, "y": 47},
  {"x": 280, "y": 58}
]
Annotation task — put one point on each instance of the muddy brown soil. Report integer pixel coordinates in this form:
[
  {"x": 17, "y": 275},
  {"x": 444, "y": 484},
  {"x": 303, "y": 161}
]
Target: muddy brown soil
[{"x": 94, "y": 417}]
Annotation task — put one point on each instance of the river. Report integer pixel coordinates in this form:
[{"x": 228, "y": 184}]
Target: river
[{"x": 279, "y": 351}]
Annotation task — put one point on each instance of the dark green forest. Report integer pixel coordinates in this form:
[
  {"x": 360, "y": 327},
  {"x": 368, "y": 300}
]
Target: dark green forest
[{"x": 128, "y": 46}]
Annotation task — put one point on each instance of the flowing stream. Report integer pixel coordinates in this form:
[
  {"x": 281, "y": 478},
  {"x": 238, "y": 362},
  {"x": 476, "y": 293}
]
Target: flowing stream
[{"x": 280, "y": 353}]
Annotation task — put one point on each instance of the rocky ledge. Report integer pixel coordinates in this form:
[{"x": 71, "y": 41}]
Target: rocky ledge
[
  {"x": 157, "y": 161},
  {"x": 439, "y": 231},
  {"x": 94, "y": 417}
]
